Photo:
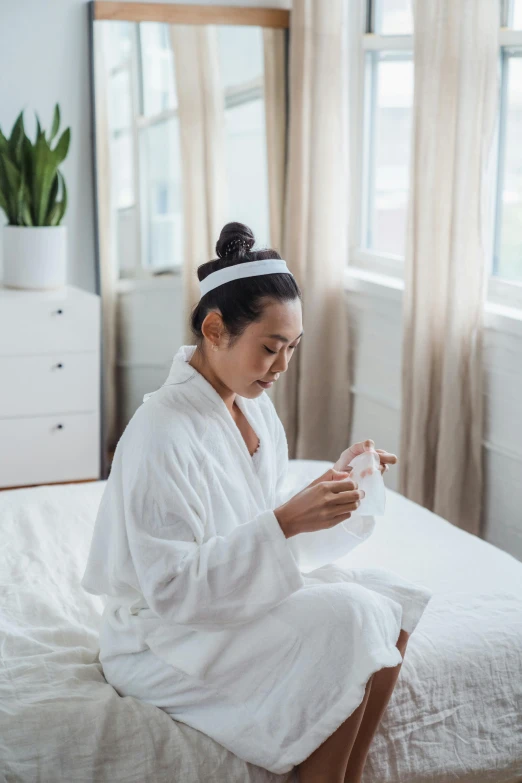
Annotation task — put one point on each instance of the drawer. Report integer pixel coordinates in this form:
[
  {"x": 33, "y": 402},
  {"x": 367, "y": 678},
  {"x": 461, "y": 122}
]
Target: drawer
[
  {"x": 31, "y": 325},
  {"x": 49, "y": 383},
  {"x": 39, "y": 451}
]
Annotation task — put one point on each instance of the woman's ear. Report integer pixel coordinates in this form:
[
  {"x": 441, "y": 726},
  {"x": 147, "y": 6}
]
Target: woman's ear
[{"x": 212, "y": 327}]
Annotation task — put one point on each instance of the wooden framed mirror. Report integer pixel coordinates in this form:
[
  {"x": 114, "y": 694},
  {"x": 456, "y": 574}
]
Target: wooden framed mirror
[{"x": 189, "y": 133}]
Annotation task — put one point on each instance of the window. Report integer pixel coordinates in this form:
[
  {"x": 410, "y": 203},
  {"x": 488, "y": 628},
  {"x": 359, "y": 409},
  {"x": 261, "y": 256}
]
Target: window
[
  {"x": 507, "y": 257},
  {"x": 392, "y": 17},
  {"x": 390, "y": 96},
  {"x": 514, "y": 15},
  {"x": 388, "y": 100},
  {"x": 158, "y": 144},
  {"x": 386, "y": 121},
  {"x": 241, "y": 59}
]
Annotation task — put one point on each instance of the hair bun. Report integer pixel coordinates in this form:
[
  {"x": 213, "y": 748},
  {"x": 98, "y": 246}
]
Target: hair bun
[{"x": 235, "y": 239}]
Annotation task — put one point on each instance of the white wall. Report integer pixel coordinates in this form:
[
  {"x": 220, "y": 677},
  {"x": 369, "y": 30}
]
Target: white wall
[{"x": 44, "y": 59}]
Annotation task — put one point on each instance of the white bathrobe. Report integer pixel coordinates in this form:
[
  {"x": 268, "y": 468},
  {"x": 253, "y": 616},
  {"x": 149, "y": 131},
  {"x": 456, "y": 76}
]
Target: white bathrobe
[{"x": 208, "y": 615}]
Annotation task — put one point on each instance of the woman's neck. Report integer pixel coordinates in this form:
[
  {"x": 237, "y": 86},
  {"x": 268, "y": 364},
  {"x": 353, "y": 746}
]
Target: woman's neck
[{"x": 200, "y": 364}]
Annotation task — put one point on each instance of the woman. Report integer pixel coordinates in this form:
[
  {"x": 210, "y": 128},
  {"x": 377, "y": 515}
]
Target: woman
[{"x": 208, "y": 616}]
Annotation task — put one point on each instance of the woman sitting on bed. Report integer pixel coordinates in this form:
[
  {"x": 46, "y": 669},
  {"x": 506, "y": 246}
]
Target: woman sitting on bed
[{"x": 208, "y": 616}]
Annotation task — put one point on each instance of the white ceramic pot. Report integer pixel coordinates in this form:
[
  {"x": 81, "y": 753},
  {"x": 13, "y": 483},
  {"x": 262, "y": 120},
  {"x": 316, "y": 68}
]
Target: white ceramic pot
[{"x": 35, "y": 257}]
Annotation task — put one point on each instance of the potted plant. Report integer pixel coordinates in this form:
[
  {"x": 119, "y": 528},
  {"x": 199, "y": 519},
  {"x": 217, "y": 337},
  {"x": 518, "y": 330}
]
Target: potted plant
[{"x": 34, "y": 198}]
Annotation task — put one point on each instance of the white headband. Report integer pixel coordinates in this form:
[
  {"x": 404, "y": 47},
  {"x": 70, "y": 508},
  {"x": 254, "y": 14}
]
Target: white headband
[{"x": 265, "y": 266}]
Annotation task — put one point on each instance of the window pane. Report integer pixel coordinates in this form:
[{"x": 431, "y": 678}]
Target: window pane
[
  {"x": 247, "y": 177},
  {"x": 516, "y": 15},
  {"x": 120, "y": 125},
  {"x": 117, "y": 43},
  {"x": 508, "y": 264},
  {"x": 163, "y": 204},
  {"x": 157, "y": 69},
  {"x": 240, "y": 55},
  {"x": 122, "y": 170},
  {"x": 393, "y": 17},
  {"x": 389, "y": 97},
  {"x": 120, "y": 101}
]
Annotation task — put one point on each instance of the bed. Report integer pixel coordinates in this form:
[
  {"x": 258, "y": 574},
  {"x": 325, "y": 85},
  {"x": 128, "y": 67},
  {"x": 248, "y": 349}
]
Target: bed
[{"x": 455, "y": 714}]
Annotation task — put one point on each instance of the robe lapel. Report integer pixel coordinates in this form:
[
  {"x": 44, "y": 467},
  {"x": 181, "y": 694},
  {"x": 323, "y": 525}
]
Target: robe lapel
[
  {"x": 182, "y": 372},
  {"x": 257, "y": 423}
]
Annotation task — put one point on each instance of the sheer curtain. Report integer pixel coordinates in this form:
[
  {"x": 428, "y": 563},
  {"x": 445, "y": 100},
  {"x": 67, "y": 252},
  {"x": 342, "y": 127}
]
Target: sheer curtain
[
  {"x": 275, "y": 122},
  {"x": 313, "y": 396},
  {"x": 455, "y": 94},
  {"x": 202, "y": 133}
]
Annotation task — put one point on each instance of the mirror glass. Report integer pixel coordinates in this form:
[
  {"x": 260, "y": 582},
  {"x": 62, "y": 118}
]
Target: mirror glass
[
  {"x": 176, "y": 93},
  {"x": 190, "y": 133}
]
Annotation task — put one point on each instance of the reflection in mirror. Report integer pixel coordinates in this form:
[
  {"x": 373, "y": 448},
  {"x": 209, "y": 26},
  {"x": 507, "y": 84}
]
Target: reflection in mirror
[
  {"x": 173, "y": 92},
  {"x": 190, "y": 129}
]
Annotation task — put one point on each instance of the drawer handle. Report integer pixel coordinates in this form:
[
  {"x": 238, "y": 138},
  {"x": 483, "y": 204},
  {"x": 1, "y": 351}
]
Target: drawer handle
[
  {"x": 59, "y": 365},
  {"x": 59, "y": 311},
  {"x": 59, "y": 426}
]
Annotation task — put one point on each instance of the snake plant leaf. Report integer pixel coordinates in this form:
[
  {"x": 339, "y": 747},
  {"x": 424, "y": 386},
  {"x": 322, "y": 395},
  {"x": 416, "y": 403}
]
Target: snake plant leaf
[
  {"x": 3, "y": 143},
  {"x": 62, "y": 147},
  {"x": 52, "y": 217},
  {"x": 27, "y": 155},
  {"x": 63, "y": 202},
  {"x": 12, "y": 183},
  {"x": 56, "y": 123},
  {"x": 20, "y": 201},
  {"x": 26, "y": 168},
  {"x": 58, "y": 209},
  {"x": 4, "y": 189},
  {"x": 21, "y": 195},
  {"x": 39, "y": 131},
  {"x": 28, "y": 218},
  {"x": 52, "y": 198},
  {"x": 12, "y": 176},
  {"x": 53, "y": 211},
  {"x": 3, "y": 202},
  {"x": 44, "y": 173},
  {"x": 16, "y": 140}
]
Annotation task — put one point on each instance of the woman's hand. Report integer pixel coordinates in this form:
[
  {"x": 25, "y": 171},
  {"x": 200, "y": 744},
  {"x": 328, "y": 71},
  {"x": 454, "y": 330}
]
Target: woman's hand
[
  {"x": 332, "y": 475},
  {"x": 322, "y": 504},
  {"x": 386, "y": 459}
]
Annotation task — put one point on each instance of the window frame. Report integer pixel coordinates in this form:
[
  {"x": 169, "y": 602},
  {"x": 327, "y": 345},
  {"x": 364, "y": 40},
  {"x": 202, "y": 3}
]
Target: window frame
[
  {"x": 368, "y": 41},
  {"x": 500, "y": 291}
]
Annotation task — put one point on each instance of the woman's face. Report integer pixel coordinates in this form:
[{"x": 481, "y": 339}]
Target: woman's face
[{"x": 262, "y": 352}]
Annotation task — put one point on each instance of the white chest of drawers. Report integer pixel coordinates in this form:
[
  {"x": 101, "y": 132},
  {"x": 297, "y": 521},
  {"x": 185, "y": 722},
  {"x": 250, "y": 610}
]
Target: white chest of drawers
[{"x": 49, "y": 386}]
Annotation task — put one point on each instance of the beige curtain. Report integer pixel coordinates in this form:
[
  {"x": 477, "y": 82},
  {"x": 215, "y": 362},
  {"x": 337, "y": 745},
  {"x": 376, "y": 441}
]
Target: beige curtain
[
  {"x": 275, "y": 121},
  {"x": 456, "y": 52},
  {"x": 313, "y": 396},
  {"x": 202, "y": 132},
  {"x": 108, "y": 258}
]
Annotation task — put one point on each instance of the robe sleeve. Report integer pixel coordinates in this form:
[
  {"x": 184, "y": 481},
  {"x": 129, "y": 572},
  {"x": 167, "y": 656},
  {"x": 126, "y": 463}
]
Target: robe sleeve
[
  {"x": 226, "y": 580},
  {"x": 283, "y": 489}
]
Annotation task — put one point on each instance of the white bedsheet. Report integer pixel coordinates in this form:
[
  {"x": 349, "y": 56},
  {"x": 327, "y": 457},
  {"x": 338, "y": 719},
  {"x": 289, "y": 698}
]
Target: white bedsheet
[{"x": 455, "y": 714}]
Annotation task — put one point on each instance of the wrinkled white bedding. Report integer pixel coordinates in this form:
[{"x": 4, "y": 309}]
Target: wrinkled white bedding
[{"x": 455, "y": 714}]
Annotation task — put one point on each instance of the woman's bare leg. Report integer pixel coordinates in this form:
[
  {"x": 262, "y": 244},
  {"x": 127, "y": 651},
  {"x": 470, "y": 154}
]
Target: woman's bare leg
[
  {"x": 327, "y": 764},
  {"x": 383, "y": 683}
]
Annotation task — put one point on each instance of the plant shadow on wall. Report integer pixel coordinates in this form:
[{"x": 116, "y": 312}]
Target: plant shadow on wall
[{"x": 33, "y": 196}]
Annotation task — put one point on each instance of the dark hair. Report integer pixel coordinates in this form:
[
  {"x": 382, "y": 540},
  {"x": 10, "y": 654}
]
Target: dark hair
[{"x": 240, "y": 301}]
